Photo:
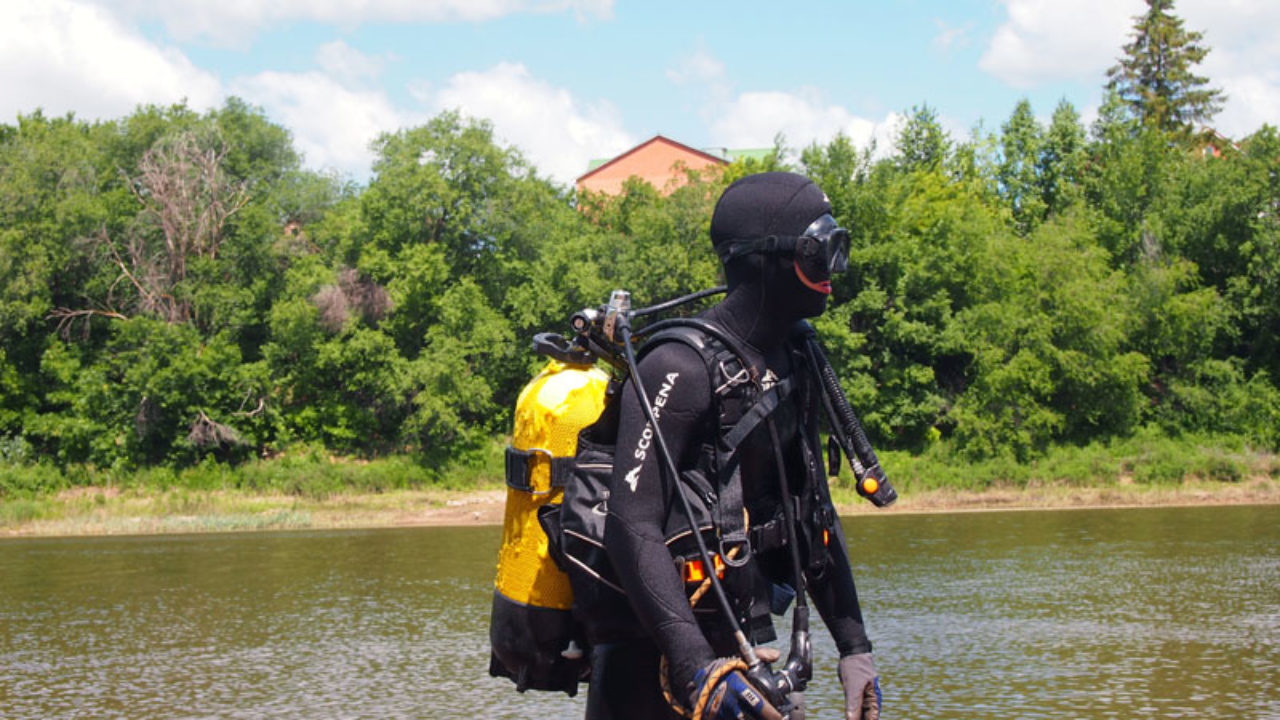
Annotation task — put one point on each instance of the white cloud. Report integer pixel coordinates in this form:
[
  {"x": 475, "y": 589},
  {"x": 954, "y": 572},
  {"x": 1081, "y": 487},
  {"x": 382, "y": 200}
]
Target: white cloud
[
  {"x": 557, "y": 133},
  {"x": 950, "y": 37},
  {"x": 67, "y": 55},
  {"x": 699, "y": 67},
  {"x": 343, "y": 61},
  {"x": 753, "y": 119},
  {"x": 1244, "y": 60},
  {"x": 1049, "y": 40},
  {"x": 63, "y": 55},
  {"x": 334, "y": 116},
  {"x": 701, "y": 80},
  {"x": 232, "y": 21},
  {"x": 332, "y": 123},
  {"x": 1046, "y": 40}
]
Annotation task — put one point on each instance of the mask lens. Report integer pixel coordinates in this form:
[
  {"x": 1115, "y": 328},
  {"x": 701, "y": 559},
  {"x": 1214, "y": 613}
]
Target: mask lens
[
  {"x": 838, "y": 251},
  {"x": 834, "y": 240}
]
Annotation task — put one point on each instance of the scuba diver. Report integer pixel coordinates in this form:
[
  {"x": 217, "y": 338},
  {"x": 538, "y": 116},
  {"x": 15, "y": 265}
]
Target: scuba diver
[{"x": 779, "y": 246}]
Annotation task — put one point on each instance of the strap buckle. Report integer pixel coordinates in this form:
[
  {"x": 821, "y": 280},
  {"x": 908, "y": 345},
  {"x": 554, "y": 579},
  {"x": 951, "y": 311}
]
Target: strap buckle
[{"x": 520, "y": 469}]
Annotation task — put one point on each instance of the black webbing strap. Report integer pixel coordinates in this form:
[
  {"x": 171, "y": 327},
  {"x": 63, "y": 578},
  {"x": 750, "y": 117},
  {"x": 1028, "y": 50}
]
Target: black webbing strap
[
  {"x": 733, "y": 387},
  {"x": 520, "y": 469},
  {"x": 765, "y": 404},
  {"x": 733, "y": 529}
]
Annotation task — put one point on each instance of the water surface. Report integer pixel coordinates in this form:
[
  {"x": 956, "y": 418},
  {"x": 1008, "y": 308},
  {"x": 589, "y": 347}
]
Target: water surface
[{"x": 1151, "y": 613}]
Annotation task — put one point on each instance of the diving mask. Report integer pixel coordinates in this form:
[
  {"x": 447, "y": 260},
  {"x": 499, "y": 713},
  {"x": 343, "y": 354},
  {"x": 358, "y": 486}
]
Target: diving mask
[
  {"x": 822, "y": 239},
  {"x": 820, "y": 251}
]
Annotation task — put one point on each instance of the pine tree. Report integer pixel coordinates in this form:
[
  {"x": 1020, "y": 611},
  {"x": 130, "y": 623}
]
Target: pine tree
[
  {"x": 1021, "y": 142},
  {"x": 922, "y": 143},
  {"x": 1154, "y": 77},
  {"x": 1062, "y": 159}
]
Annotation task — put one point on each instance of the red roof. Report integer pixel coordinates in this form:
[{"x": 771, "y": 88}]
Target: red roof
[{"x": 656, "y": 138}]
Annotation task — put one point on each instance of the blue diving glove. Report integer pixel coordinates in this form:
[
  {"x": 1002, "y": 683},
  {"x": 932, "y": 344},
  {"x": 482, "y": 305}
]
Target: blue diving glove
[
  {"x": 723, "y": 694},
  {"x": 861, "y": 687}
]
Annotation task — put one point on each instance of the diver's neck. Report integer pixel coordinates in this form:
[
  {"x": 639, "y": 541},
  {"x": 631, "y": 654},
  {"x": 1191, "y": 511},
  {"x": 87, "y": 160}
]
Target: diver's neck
[{"x": 747, "y": 314}]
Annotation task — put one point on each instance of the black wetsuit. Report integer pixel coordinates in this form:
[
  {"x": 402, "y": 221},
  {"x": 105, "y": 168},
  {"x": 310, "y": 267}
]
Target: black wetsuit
[{"x": 625, "y": 676}]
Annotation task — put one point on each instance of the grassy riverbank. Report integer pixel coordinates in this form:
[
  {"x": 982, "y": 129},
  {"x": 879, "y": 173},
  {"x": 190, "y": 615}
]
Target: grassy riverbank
[{"x": 311, "y": 489}]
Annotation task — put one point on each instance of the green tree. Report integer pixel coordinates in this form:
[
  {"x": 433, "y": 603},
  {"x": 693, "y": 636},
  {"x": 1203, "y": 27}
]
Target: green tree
[
  {"x": 441, "y": 183},
  {"x": 52, "y": 173},
  {"x": 1126, "y": 172},
  {"x": 1022, "y": 142},
  {"x": 174, "y": 285},
  {"x": 1049, "y": 335},
  {"x": 1220, "y": 215},
  {"x": 837, "y": 167},
  {"x": 462, "y": 234},
  {"x": 660, "y": 244},
  {"x": 12, "y": 398},
  {"x": 159, "y": 393},
  {"x": 922, "y": 144},
  {"x": 920, "y": 240},
  {"x": 1155, "y": 78},
  {"x": 1062, "y": 160}
]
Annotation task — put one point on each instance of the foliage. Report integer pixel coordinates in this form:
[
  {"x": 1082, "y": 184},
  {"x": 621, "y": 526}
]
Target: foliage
[
  {"x": 180, "y": 298},
  {"x": 1154, "y": 78},
  {"x": 1023, "y": 143},
  {"x": 922, "y": 143}
]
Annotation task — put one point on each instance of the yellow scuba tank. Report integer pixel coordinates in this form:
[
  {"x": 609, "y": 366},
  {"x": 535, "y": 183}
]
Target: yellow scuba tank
[{"x": 534, "y": 639}]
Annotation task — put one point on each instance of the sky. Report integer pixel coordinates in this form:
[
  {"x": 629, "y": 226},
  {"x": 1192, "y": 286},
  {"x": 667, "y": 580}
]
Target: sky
[{"x": 568, "y": 81}]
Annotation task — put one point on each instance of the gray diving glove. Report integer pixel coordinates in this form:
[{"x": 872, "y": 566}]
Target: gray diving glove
[{"x": 861, "y": 687}]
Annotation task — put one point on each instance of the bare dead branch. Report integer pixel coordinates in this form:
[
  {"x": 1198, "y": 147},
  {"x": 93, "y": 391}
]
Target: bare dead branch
[
  {"x": 207, "y": 432},
  {"x": 262, "y": 405},
  {"x": 186, "y": 201},
  {"x": 120, "y": 263},
  {"x": 67, "y": 319}
]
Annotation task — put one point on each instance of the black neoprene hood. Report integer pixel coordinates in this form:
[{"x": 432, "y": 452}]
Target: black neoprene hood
[{"x": 772, "y": 203}]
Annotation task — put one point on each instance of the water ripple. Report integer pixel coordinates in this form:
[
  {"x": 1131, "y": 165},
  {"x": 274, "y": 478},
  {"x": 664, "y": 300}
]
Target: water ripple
[{"x": 1165, "y": 613}]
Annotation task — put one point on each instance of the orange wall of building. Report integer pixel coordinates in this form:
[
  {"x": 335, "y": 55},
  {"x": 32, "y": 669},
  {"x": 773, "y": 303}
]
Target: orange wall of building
[{"x": 654, "y": 163}]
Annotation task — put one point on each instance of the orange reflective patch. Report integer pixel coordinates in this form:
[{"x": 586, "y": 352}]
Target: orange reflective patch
[
  {"x": 696, "y": 572},
  {"x": 693, "y": 572}
]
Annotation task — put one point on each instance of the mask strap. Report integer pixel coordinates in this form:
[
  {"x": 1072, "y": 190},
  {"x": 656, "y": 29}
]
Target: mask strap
[{"x": 773, "y": 244}]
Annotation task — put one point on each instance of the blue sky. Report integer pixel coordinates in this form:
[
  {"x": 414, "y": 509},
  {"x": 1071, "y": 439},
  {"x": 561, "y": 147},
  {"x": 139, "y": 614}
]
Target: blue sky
[{"x": 570, "y": 80}]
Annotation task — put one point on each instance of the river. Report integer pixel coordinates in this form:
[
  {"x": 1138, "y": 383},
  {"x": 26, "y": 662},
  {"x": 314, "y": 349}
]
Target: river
[{"x": 1126, "y": 613}]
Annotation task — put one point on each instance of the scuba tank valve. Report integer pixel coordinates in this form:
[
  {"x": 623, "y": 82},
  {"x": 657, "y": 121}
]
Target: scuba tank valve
[{"x": 619, "y": 306}]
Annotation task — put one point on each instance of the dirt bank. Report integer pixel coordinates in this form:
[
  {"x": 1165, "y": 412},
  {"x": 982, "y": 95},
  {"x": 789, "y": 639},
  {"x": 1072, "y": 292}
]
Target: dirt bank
[{"x": 100, "y": 511}]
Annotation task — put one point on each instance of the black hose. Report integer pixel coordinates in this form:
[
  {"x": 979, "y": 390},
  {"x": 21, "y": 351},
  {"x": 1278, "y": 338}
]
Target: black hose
[
  {"x": 846, "y": 427},
  {"x": 676, "y": 302},
  {"x": 799, "y": 664}
]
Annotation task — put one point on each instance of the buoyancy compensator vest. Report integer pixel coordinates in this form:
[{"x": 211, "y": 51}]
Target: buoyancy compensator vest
[
  {"x": 713, "y": 489},
  {"x": 577, "y": 526}
]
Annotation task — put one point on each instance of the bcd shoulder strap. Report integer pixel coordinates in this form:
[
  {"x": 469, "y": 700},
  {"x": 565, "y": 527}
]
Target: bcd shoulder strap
[{"x": 740, "y": 405}]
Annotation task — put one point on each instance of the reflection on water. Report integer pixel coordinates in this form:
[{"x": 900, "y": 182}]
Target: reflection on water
[{"x": 1155, "y": 613}]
